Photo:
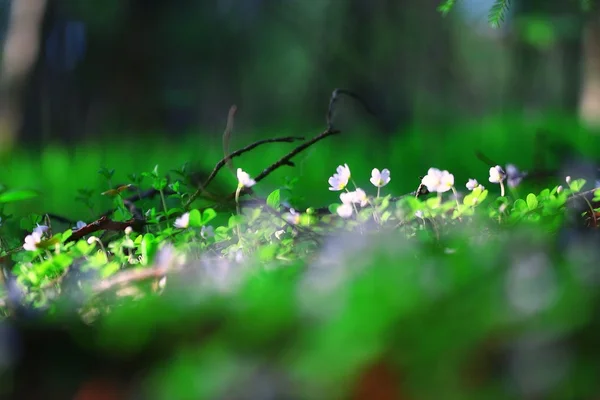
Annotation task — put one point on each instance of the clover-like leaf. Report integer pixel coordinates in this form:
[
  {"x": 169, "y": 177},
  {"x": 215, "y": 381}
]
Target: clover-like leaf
[
  {"x": 208, "y": 215},
  {"x": 274, "y": 199},
  {"x": 532, "y": 201},
  {"x": 195, "y": 219}
]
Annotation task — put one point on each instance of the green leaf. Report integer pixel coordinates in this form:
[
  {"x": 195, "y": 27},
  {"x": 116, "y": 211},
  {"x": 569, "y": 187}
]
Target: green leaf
[
  {"x": 110, "y": 269},
  {"x": 333, "y": 208},
  {"x": 149, "y": 247},
  {"x": 195, "y": 219},
  {"x": 65, "y": 235},
  {"x": 235, "y": 220},
  {"x": 532, "y": 201},
  {"x": 268, "y": 252},
  {"x": 446, "y": 6},
  {"x": 274, "y": 199},
  {"x": 497, "y": 12},
  {"x": 208, "y": 215},
  {"x": 577, "y": 184},
  {"x": 469, "y": 199},
  {"x": 17, "y": 195},
  {"x": 520, "y": 206},
  {"x": 482, "y": 196}
]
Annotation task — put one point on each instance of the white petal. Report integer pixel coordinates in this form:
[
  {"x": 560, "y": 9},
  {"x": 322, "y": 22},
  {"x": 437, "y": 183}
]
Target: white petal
[{"x": 345, "y": 210}]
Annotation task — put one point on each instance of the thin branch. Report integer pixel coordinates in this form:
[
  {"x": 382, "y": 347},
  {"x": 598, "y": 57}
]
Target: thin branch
[
  {"x": 131, "y": 276},
  {"x": 105, "y": 224},
  {"x": 334, "y": 98},
  {"x": 286, "y": 160},
  {"x": 227, "y": 137},
  {"x": 237, "y": 153}
]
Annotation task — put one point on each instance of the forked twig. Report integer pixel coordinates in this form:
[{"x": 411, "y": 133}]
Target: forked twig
[
  {"x": 227, "y": 138},
  {"x": 237, "y": 153},
  {"x": 286, "y": 160}
]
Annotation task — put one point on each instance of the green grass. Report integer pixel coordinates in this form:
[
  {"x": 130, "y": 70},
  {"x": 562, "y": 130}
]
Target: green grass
[{"x": 57, "y": 173}]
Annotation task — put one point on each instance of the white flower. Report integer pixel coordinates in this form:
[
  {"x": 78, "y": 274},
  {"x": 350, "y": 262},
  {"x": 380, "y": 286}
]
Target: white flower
[
  {"x": 559, "y": 189},
  {"x": 347, "y": 197},
  {"x": 183, "y": 221},
  {"x": 360, "y": 197},
  {"x": 497, "y": 174},
  {"x": 31, "y": 241},
  {"x": 514, "y": 176},
  {"x": 207, "y": 231},
  {"x": 380, "y": 179},
  {"x": 41, "y": 229},
  {"x": 279, "y": 234},
  {"x": 92, "y": 239},
  {"x": 345, "y": 210},
  {"x": 244, "y": 179},
  {"x": 79, "y": 225},
  {"x": 340, "y": 179},
  {"x": 292, "y": 217},
  {"x": 357, "y": 197},
  {"x": 438, "y": 181},
  {"x": 472, "y": 184},
  {"x": 129, "y": 229}
]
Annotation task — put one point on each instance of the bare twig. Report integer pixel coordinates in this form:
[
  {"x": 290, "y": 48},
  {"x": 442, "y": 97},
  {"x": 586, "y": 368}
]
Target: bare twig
[
  {"x": 133, "y": 275},
  {"x": 227, "y": 138},
  {"x": 334, "y": 98},
  {"x": 237, "y": 153},
  {"x": 105, "y": 224},
  {"x": 286, "y": 160}
]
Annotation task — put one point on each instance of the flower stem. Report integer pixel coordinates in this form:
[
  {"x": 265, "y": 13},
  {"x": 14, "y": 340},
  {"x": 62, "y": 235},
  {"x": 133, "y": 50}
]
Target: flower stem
[
  {"x": 164, "y": 204},
  {"x": 237, "y": 207}
]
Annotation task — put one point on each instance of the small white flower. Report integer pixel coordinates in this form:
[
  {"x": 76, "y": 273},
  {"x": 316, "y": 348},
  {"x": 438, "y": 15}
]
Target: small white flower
[
  {"x": 207, "y": 232},
  {"x": 345, "y": 210},
  {"x": 360, "y": 197},
  {"x": 497, "y": 174},
  {"x": 472, "y": 184},
  {"x": 79, "y": 225},
  {"x": 568, "y": 180},
  {"x": 559, "y": 189},
  {"x": 279, "y": 234},
  {"x": 182, "y": 222},
  {"x": 293, "y": 217},
  {"x": 239, "y": 256},
  {"x": 244, "y": 179},
  {"x": 41, "y": 229},
  {"x": 128, "y": 230},
  {"x": 31, "y": 241},
  {"x": 340, "y": 179},
  {"x": 438, "y": 181},
  {"x": 356, "y": 197},
  {"x": 92, "y": 239},
  {"x": 380, "y": 179},
  {"x": 419, "y": 214},
  {"x": 514, "y": 176},
  {"x": 347, "y": 197}
]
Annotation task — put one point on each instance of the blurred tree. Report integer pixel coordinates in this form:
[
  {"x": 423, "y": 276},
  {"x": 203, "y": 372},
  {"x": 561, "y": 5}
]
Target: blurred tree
[
  {"x": 21, "y": 48},
  {"x": 543, "y": 31},
  {"x": 589, "y": 107}
]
